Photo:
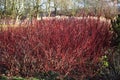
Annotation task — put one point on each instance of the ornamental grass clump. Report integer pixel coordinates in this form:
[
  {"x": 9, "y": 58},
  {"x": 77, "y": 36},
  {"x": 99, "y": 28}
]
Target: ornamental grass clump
[{"x": 71, "y": 47}]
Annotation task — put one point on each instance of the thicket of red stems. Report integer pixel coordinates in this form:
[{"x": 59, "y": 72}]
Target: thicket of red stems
[{"x": 72, "y": 47}]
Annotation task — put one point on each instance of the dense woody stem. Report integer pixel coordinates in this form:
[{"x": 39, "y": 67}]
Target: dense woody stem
[{"x": 68, "y": 46}]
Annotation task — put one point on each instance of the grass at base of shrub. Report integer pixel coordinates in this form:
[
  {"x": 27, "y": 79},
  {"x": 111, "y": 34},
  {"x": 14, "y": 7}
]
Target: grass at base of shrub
[{"x": 17, "y": 78}]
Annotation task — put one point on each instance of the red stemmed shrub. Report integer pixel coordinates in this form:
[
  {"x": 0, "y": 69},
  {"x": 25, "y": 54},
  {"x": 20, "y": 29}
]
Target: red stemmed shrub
[{"x": 68, "y": 46}]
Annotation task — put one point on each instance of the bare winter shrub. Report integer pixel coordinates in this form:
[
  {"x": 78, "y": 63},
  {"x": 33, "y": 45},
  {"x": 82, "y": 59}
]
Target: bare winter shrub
[
  {"x": 68, "y": 46},
  {"x": 104, "y": 8}
]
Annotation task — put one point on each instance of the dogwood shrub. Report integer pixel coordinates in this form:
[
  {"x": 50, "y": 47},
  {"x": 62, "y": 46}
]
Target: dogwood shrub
[{"x": 72, "y": 47}]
